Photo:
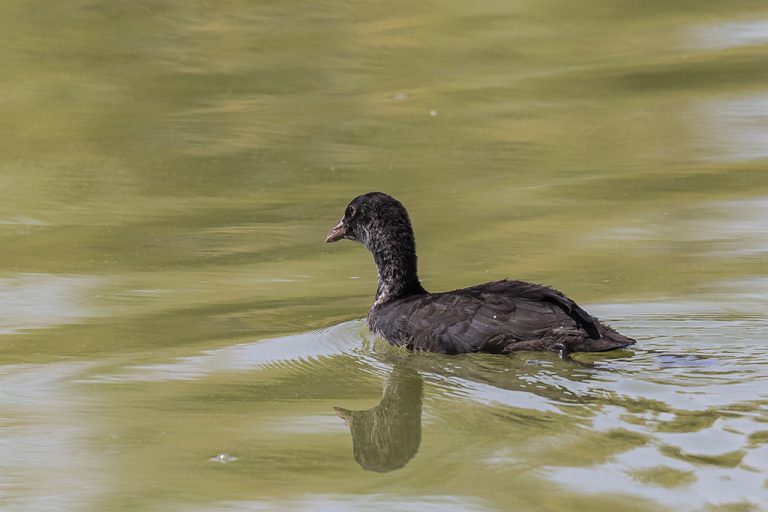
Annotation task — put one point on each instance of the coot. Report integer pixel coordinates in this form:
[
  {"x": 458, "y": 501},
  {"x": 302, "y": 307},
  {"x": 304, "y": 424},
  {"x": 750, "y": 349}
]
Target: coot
[{"x": 497, "y": 317}]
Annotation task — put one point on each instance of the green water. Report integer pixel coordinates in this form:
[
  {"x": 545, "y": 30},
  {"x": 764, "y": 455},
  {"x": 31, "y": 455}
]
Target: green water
[{"x": 175, "y": 335}]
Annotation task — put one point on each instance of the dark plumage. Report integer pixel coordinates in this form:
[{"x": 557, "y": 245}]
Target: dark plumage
[{"x": 497, "y": 317}]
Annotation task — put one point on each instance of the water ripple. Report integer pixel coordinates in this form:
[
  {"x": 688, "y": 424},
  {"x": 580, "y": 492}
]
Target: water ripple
[{"x": 275, "y": 352}]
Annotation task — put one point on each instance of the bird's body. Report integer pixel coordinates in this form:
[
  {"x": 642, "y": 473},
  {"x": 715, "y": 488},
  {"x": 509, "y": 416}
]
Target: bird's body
[{"x": 496, "y": 317}]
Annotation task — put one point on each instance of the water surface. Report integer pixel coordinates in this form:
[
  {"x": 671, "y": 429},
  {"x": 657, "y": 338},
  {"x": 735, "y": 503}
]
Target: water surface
[{"x": 174, "y": 335}]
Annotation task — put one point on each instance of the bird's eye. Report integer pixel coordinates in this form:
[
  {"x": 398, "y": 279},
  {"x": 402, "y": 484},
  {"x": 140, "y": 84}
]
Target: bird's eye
[{"x": 350, "y": 211}]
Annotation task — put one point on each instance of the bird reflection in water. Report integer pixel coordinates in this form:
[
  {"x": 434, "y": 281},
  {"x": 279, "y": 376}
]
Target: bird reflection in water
[{"x": 387, "y": 437}]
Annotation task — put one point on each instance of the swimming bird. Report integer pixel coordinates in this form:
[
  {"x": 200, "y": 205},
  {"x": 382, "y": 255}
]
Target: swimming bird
[{"x": 496, "y": 317}]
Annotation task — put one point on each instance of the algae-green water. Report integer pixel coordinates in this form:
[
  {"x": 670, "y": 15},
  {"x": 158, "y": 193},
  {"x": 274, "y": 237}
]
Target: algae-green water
[{"x": 175, "y": 335}]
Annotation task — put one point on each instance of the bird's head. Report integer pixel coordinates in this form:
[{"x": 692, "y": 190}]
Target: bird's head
[{"x": 374, "y": 219}]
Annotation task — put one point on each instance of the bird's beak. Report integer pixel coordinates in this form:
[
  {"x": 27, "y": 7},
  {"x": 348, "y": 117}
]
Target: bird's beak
[
  {"x": 344, "y": 414},
  {"x": 336, "y": 233}
]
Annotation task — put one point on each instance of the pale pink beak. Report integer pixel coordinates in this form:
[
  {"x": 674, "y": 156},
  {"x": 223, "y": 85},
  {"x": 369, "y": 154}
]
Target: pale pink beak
[{"x": 336, "y": 233}]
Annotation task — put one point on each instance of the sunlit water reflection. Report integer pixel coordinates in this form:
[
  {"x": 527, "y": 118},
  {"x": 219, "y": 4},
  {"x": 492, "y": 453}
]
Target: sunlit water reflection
[{"x": 680, "y": 421}]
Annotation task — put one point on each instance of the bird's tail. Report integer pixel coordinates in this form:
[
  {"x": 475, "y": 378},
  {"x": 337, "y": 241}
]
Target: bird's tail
[{"x": 609, "y": 339}]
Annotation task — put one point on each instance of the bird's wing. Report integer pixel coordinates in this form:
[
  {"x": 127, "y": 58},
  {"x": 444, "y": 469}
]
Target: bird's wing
[
  {"x": 540, "y": 293},
  {"x": 486, "y": 318}
]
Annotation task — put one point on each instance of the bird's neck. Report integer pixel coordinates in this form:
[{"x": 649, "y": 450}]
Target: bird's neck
[{"x": 397, "y": 272}]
